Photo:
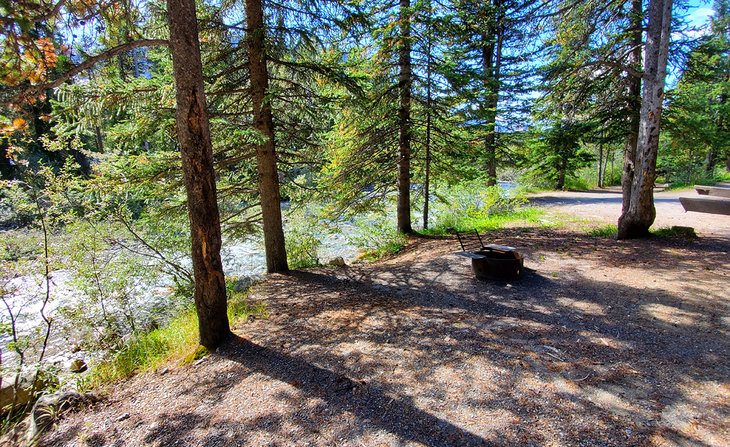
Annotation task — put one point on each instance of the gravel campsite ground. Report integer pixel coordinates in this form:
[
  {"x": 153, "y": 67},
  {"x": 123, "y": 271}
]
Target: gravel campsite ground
[{"x": 602, "y": 343}]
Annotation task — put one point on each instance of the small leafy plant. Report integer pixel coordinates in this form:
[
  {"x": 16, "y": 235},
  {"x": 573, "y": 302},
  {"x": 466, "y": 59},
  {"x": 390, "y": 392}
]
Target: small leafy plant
[{"x": 377, "y": 237}]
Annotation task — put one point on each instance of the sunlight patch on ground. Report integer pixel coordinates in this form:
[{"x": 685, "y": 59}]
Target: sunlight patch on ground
[
  {"x": 671, "y": 314},
  {"x": 690, "y": 418},
  {"x": 610, "y": 400},
  {"x": 586, "y": 307},
  {"x": 599, "y": 339}
]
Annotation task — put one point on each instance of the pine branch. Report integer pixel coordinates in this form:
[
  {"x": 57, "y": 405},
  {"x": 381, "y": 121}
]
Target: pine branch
[{"x": 37, "y": 90}]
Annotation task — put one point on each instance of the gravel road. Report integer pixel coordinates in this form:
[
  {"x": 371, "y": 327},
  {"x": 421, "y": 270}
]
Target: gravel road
[{"x": 606, "y": 206}]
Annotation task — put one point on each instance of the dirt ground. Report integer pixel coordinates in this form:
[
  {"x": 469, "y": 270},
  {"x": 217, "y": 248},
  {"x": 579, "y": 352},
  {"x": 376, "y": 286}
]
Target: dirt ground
[{"x": 601, "y": 343}]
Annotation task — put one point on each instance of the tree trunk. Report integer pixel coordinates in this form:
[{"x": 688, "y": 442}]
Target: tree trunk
[
  {"x": 266, "y": 152},
  {"x": 196, "y": 151},
  {"x": 404, "y": 118},
  {"x": 490, "y": 139},
  {"x": 600, "y": 164},
  {"x": 491, "y": 65},
  {"x": 633, "y": 109},
  {"x": 99, "y": 139},
  {"x": 562, "y": 168},
  {"x": 640, "y": 214},
  {"x": 427, "y": 179},
  {"x": 710, "y": 161}
]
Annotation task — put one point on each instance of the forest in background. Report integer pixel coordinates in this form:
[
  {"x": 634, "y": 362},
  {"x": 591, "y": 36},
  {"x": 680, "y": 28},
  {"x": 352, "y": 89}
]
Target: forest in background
[{"x": 339, "y": 109}]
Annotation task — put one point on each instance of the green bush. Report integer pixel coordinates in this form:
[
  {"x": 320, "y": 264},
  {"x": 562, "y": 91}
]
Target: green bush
[
  {"x": 376, "y": 236},
  {"x": 577, "y": 184},
  {"x": 472, "y": 205},
  {"x": 17, "y": 209},
  {"x": 302, "y": 240}
]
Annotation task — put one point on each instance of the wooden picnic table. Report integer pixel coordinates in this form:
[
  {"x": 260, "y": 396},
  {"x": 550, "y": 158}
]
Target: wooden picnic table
[
  {"x": 712, "y": 191},
  {"x": 712, "y": 200}
]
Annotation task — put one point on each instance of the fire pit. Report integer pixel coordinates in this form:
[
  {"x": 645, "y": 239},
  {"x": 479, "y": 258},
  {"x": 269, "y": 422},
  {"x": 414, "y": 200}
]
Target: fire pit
[
  {"x": 497, "y": 262},
  {"x": 491, "y": 262}
]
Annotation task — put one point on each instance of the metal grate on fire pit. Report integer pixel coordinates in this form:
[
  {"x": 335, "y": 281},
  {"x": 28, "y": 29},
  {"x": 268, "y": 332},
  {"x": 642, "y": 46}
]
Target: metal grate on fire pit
[{"x": 492, "y": 262}]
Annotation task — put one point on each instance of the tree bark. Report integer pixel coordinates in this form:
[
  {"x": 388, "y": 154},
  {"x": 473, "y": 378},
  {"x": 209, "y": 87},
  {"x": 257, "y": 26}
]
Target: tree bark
[
  {"x": 600, "y": 164},
  {"x": 560, "y": 185},
  {"x": 710, "y": 162},
  {"x": 265, "y": 152},
  {"x": 404, "y": 119},
  {"x": 196, "y": 150},
  {"x": 640, "y": 213},
  {"x": 633, "y": 109},
  {"x": 427, "y": 179},
  {"x": 491, "y": 67}
]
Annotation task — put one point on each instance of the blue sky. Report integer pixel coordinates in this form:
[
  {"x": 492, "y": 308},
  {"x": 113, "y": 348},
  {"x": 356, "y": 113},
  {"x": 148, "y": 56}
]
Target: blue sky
[{"x": 699, "y": 12}]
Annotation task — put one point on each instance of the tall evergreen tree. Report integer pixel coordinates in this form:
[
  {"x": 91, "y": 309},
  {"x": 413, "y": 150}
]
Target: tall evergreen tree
[
  {"x": 266, "y": 151},
  {"x": 594, "y": 70},
  {"x": 405, "y": 85},
  {"x": 193, "y": 134},
  {"x": 698, "y": 106},
  {"x": 492, "y": 47}
]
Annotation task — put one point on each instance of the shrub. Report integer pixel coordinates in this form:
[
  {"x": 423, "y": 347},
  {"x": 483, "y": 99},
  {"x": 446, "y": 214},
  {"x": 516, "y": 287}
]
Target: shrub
[
  {"x": 302, "y": 242},
  {"x": 176, "y": 340},
  {"x": 471, "y": 206},
  {"x": 377, "y": 237}
]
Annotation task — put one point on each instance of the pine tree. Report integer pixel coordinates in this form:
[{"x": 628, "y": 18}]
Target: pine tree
[
  {"x": 193, "y": 134},
  {"x": 698, "y": 106}
]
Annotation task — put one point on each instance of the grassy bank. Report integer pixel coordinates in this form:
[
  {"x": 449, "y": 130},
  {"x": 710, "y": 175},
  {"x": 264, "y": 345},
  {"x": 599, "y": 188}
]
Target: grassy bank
[{"x": 176, "y": 341}]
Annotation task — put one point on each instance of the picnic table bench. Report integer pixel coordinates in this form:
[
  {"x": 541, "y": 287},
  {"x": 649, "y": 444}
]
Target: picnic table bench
[
  {"x": 712, "y": 191},
  {"x": 712, "y": 200}
]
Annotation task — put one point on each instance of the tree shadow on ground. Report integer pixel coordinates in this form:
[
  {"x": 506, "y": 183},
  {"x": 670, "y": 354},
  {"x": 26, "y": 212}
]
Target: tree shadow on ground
[
  {"x": 631, "y": 348},
  {"x": 415, "y": 351}
]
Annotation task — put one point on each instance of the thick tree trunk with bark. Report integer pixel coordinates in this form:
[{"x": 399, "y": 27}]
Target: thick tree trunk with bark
[
  {"x": 633, "y": 109},
  {"x": 640, "y": 213},
  {"x": 266, "y": 152},
  {"x": 404, "y": 120},
  {"x": 193, "y": 135}
]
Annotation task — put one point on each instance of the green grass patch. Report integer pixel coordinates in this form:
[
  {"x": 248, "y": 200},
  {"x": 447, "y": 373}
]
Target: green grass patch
[
  {"x": 606, "y": 231},
  {"x": 149, "y": 351},
  {"x": 675, "y": 232},
  {"x": 199, "y": 353},
  {"x": 483, "y": 223},
  {"x": 176, "y": 340}
]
